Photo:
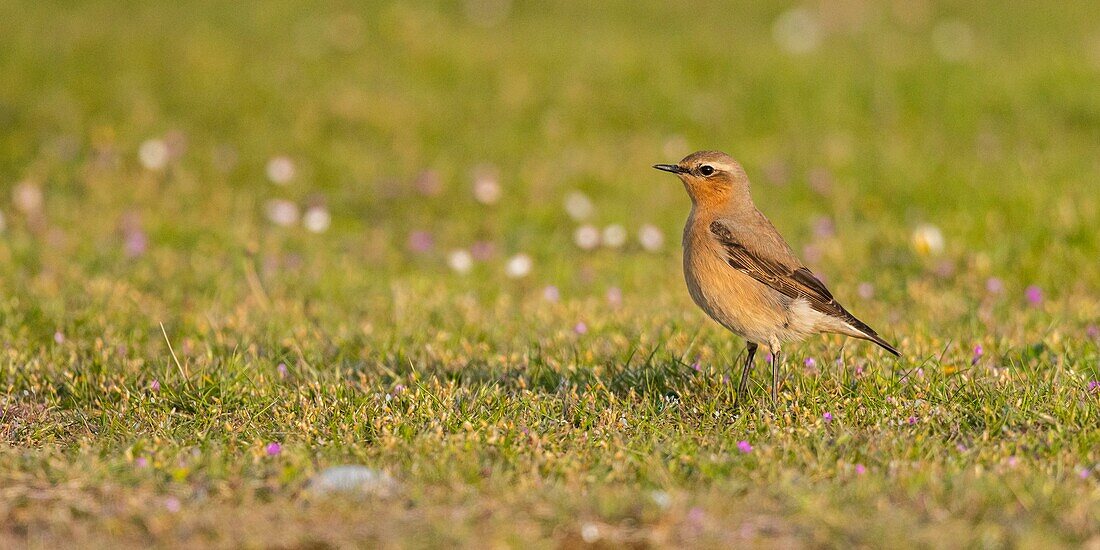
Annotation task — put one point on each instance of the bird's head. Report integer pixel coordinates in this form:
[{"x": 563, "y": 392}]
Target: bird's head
[{"x": 712, "y": 179}]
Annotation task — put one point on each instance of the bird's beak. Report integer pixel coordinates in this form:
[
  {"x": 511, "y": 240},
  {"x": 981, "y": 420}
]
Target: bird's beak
[{"x": 670, "y": 168}]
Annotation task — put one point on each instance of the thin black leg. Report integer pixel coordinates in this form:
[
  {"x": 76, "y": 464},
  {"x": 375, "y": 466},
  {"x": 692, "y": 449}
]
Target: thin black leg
[
  {"x": 775, "y": 377},
  {"x": 745, "y": 372}
]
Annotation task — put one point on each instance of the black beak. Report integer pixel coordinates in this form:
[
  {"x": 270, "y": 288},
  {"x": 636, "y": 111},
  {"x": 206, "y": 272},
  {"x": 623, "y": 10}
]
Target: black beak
[{"x": 670, "y": 168}]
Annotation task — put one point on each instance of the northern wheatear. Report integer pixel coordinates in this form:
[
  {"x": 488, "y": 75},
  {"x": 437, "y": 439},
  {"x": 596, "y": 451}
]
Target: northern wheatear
[{"x": 743, "y": 274}]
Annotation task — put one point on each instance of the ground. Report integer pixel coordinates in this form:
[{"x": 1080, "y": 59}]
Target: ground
[{"x": 245, "y": 243}]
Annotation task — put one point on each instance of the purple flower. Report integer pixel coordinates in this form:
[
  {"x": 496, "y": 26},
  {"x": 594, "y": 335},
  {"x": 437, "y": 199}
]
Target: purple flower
[
  {"x": 1094, "y": 386},
  {"x": 1034, "y": 295},
  {"x": 273, "y": 448},
  {"x": 1084, "y": 473},
  {"x": 978, "y": 352},
  {"x": 154, "y": 385},
  {"x": 399, "y": 389},
  {"x": 861, "y": 469},
  {"x": 1092, "y": 331},
  {"x": 744, "y": 446},
  {"x": 580, "y": 328},
  {"x": 59, "y": 337},
  {"x": 421, "y": 241},
  {"x": 141, "y": 462},
  {"x": 172, "y": 504},
  {"x": 859, "y": 370},
  {"x": 282, "y": 370},
  {"x": 912, "y": 420},
  {"x": 828, "y": 417},
  {"x": 483, "y": 250},
  {"x": 810, "y": 363},
  {"x": 136, "y": 243},
  {"x": 696, "y": 366},
  {"x": 1013, "y": 461}
]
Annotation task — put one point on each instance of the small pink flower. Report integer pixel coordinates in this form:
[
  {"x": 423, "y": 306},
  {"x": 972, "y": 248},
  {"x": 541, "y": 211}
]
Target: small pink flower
[
  {"x": 696, "y": 366},
  {"x": 615, "y": 296},
  {"x": 859, "y": 370},
  {"x": 1094, "y": 386},
  {"x": 551, "y": 294},
  {"x": 861, "y": 469},
  {"x": 912, "y": 420},
  {"x": 1034, "y": 295},
  {"x": 172, "y": 504},
  {"x": 421, "y": 241},
  {"x": 483, "y": 250},
  {"x": 1093, "y": 332},
  {"x": 1084, "y": 473},
  {"x": 1013, "y": 461},
  {"x": 136, "y": 243},
  {"x": 154, "y": 385},
  {"x": 141, "y": 462},
  {"x": 827, "y": 417},
  {"x": 282, "y": 370},
  {"x": 273, "y": 448},
  {"x": 978, "y": 352},
  {"x": 810, "y": 363},
  {"x": 580, "y": 328},
  {"x": 744, "y": 446},
  {"x": 993, "y": 285},
  {"x": 59, "y": 337}
]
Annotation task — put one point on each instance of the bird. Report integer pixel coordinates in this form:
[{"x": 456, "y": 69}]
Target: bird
[{"x": 743, "y": 274}]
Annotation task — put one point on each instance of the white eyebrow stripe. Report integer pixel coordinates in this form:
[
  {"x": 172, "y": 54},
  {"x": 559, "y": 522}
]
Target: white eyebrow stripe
[{"x": 718, "y": 166}]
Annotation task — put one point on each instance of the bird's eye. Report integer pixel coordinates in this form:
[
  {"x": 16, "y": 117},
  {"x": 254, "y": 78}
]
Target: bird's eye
[{"x": 706, "y": 169}]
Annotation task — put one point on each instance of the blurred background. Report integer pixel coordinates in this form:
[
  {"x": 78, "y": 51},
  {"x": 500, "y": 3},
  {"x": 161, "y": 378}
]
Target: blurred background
[{"x": 380, "y": 168}]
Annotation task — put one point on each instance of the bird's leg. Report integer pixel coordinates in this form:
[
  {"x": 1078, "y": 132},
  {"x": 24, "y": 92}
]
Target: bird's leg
[
  {"x": 745, "y": 372},
  {"x": 775, "y": 375}
]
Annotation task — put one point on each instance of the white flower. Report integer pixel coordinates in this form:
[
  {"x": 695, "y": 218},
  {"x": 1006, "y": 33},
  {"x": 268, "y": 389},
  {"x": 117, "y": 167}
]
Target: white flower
[
  {"x": 614, "y": 236},
  {"x": 590, "y": 533},
  {"x": 928, "y": 240},
  {"x": 282, "y": 212},
  {"x": 797, "y": 31},
  {"x": 651, "y": 237},
  {"x": 280, "y": 170},
  {"x": 460, "y": 260},
  {"x": 578, "y": 206},
  {"x": 587, "y": 237},
  {"x": 317, "y": 219},
  {"x": 518, "y": 266},
  {"x": 27, "y": 197},
  {"x": 153, "y": 154},
  {"x": 486, "y": 186}
]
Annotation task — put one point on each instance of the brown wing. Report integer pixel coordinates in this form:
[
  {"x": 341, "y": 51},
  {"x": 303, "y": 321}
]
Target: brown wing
[{"x": 789, "y": 279}]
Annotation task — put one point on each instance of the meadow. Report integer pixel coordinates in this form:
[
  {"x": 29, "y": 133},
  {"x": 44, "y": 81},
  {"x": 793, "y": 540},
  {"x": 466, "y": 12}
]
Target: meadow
[{"x": 242, "y": 244}]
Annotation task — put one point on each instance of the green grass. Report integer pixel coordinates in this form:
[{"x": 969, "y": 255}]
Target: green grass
[{"x": 499, "y": 422}]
